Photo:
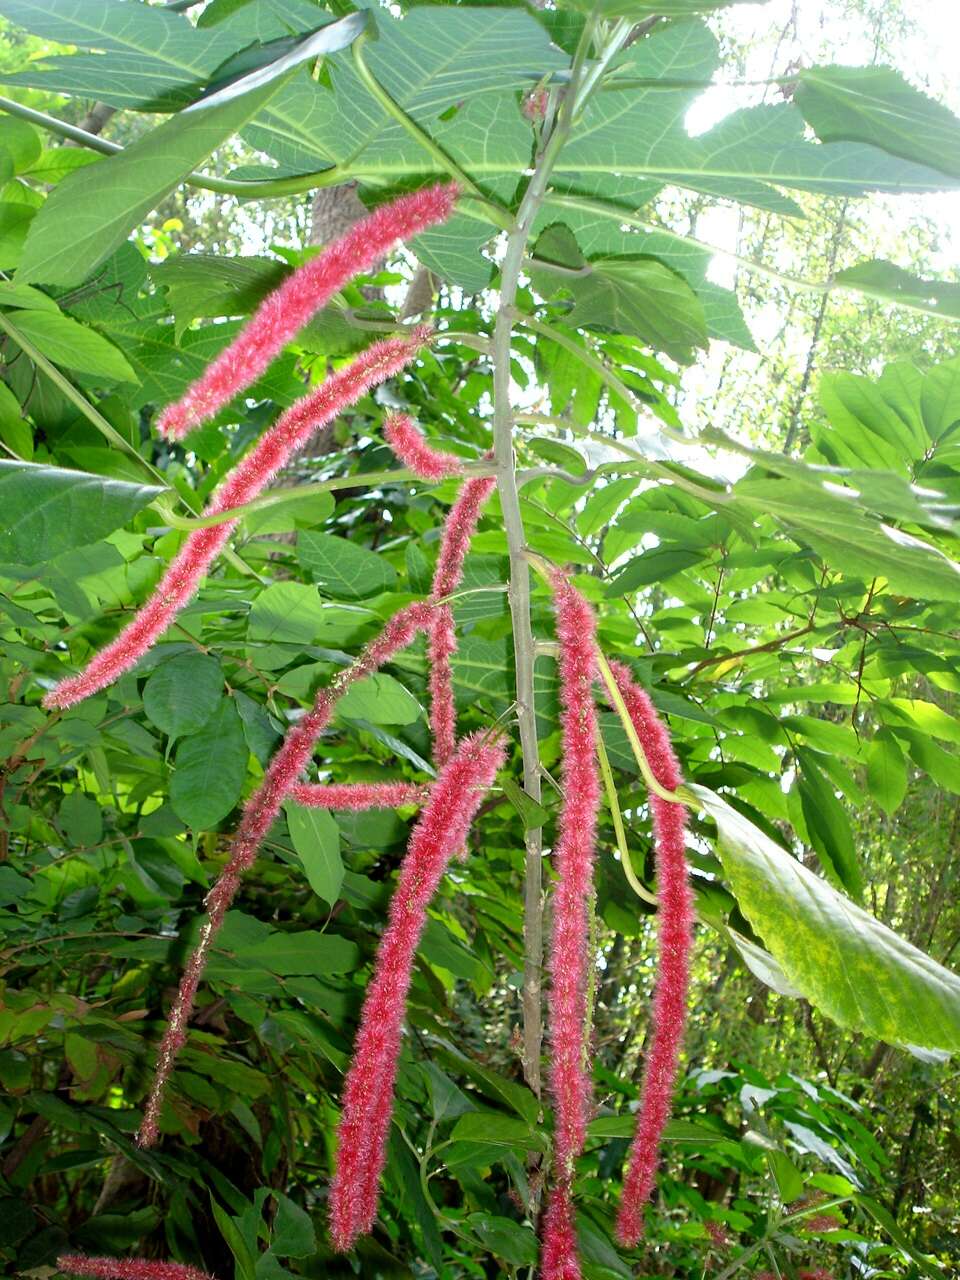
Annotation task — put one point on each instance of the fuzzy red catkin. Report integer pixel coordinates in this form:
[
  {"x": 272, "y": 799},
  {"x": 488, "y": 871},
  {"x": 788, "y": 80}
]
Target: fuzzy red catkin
[
  {"x": 288, "y": 763},
  {"x": 410, "y": 446},
  {"x": 358, "y": 795},
  {"x": 458, "y": 529},
  {"x": 440, "y": 832},
  {"x": 281, "y": 315},
  {"x": 569, "y": 957},
  {"x": 675, "y": 942},
  {"x": 78, "y": 1264},
  {"x": 559, "y": 1257},
  {"x": 249, "y": 478}
]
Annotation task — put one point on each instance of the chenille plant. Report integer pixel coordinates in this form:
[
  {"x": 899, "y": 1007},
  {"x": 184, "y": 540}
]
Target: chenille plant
[
  {"x": 466, "y": 772},
  {"x": 478, "y": 357}
]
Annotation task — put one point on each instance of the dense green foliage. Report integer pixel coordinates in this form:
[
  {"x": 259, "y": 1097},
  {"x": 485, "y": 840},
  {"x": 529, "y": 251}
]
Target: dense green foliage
[{"x": 789, "y": 601}]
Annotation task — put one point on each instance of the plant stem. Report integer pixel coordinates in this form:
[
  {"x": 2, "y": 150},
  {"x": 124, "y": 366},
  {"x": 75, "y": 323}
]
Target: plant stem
[{"x": 519, "y": 586}]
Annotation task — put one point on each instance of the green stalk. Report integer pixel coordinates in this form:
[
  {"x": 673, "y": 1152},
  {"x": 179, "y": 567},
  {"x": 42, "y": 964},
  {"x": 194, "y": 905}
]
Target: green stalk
[{"x": 633, "y": 880}]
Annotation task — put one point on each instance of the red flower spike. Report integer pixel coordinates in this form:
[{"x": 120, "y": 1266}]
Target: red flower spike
[
  {"x": 249, "y": 478},
  {"x": 358, "y": 795},
  {"x": 458, "y": 530},
  {"x": 410, "y": 446},
  {"x": 569, "y": 959},
  {"x": 78, "y": 1264},
  {"x": 675, "y": 928},
  {"x": 284, "y": 313},
  {"x": 288, "y": 763},
  {"x": 441, "y": 647},
  {"x": 573, "y": 859},
  {"x": 439, "y": 834},
  {"x": 558, "y": 1257}
]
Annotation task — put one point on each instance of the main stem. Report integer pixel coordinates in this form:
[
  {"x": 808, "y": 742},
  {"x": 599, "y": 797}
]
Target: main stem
[
  {"x": 519, "y": 586},
  {"x": 523, "y": 642}
]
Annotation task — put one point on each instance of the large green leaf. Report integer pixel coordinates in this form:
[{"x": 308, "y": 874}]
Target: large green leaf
[
  {"x": 856, "y": 970},
  {"x": 156, "y": 60},
  {"x": 45, "y": 511},
  {"x": 889, "y": 283},
  {"x": 849, "y": 540},
  {"x": 876, "y": 105},
  {"x": 303, "y": 953},
  {"x": 341, "y": 568},
  {"x": 828, "y": 826},
  {"x": 210, "y": 768},
  {"x": 626, "y": 295},
  {"x": 641, "y": 133},
  {"x": 181, "y": 695},
  {"x": 75, "y": 346},
  {"x": 316, "y": 838},
  {"x": 435, "y": 59},
  {"x": 93, "y": 211}
]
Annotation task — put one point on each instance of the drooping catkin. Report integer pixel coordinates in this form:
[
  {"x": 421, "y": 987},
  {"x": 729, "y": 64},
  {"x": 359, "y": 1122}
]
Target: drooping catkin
[
  {"x": 410, "y": 446},
  {"x": 569, "y": 958},
  {"x": 245, "y": 482},
  {"x": 675, "y": 941},
  {"x": 440, "y": 832},
  {"x": 458, "y": 530},
  {"x": 79, "y": 1264},
  {"x": 283, "y": 771},
  {"x": 358, "y": 795},
  {"x": 285, "y": 311}
]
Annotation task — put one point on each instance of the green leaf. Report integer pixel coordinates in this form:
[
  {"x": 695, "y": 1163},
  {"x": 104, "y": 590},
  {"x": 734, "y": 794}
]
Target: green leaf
[
  {"x": 532, "y": 815},
  {"x": 435, "y": 58},
  {"x": 233, "y": 1236},
  {"x": 210, "y": 286},
  {"x": 889, "y": 1224},
  {"x": 853, "y": 543},
  {"x": 886, "y": 772},
  {"x": 316, "y": 838},
  {"x": 73, "y": 345},
  {"x": 181, "y": 695},
  {"x": 492, "y": 1127},
  {"x": 288, "y": 612},
  {"x": 656, "y": 565},
  {"x": 505, "y": 1239},
  {"x": 625, "y": 1126},
  {"x": 93, "y": 210},
  {"x": 81, "y": 819},
  {"x": 342, "y": 569},
  {"x": 45, "y": 511},
  {"x": 258, "y": 67},
  {"x": 625, "y": 295},
  {"x": 380, "y": 699},
  {"x": 303, "y": 953},
  {"x": 157, "y": 61},
  {"x": 876, "y": 105},
  {"x": 293, "y": 1233},
  {"x": 889, "y": 283},
  {"x": 828, "y": 826},
  {"x": 788, "y": 1177},
  {"x": 20, "y": 146},
  {"x": 211, "y": 766},
  {"x": 852, "y": 967}
]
